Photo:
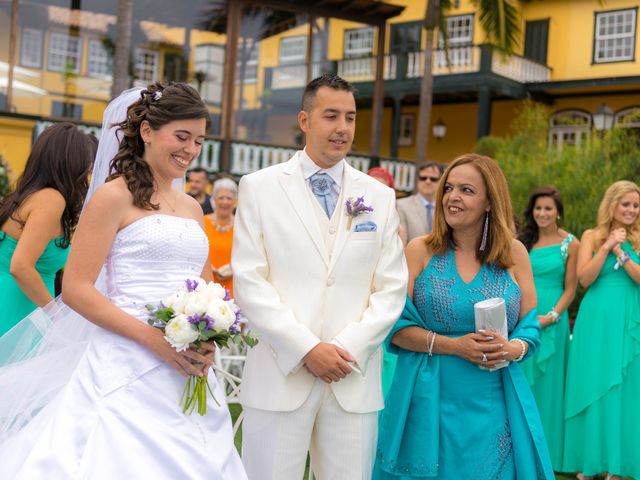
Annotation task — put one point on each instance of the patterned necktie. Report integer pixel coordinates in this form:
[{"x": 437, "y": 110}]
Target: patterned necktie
[
  {"x": 429, "y": 217},
  {"x": 321, "y": 184}
]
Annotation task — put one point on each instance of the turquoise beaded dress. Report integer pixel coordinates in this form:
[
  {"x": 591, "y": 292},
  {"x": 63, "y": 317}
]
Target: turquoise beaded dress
[{"x": 446, "y": 418}]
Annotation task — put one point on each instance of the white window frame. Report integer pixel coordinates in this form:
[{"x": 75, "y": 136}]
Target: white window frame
[
  {"x": 459, "y": 31},
  {"x": 31, "y": 42},
  {"x": 293, "y": 50},
  {"x": 620, "y": 119},
  {"x": 209, "y": 58},
  {"x": 358, "y": 42},
  {"x": 99, "y": 64},
  {"x": 62, "y": 45},
  {"x": 146, "y": 72},
  {"x": 617, "y": 42},
  {"x": 407, "y": 129},
  {"x": 251, "y": 65},
  {"x": 561, "y": 134}
]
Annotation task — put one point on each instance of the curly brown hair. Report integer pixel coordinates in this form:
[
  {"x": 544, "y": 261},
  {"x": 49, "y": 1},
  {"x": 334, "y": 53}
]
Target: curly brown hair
[{"x": 159, "y": 105}]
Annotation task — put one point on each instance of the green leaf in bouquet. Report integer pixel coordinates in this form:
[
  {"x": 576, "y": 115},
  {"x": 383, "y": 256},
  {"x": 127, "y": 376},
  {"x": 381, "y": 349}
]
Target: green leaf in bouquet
[
  {"x": 250, "y": 340},
  {"x": 237, "y": 339},
  {"x": 165, "y": 314}
]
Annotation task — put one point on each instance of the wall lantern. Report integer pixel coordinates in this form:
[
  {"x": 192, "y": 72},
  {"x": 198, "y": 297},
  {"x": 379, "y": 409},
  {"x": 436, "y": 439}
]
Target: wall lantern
[
  {"x": 439, "y": 129},
  {"x": 603, "y": 118}
]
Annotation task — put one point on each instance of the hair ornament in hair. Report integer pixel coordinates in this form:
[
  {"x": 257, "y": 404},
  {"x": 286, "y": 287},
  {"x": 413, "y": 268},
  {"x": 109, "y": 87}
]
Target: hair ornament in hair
[{"x": 155, "y": 96}]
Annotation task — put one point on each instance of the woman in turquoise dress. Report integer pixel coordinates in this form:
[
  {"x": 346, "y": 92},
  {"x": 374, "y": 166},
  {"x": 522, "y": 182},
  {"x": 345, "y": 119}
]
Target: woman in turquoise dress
[
  {"x": 452, "y": 412},
  {"x": 38, "y": 218},
  {"x": 602, "y": 429},
  {"x": 553, "y": 253}
]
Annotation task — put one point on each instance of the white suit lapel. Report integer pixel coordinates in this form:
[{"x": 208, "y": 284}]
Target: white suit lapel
[
  {"x": 295, "y": 189},
  {"x": 353, "y": 187}
]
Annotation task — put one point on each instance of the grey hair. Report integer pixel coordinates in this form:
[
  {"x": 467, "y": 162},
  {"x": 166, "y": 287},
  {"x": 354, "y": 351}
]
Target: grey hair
[{"x": 225, "y": 183}]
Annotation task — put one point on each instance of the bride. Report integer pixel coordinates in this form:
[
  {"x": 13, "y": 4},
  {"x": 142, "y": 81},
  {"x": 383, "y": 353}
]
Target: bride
[{"x": 100, "y": 400}]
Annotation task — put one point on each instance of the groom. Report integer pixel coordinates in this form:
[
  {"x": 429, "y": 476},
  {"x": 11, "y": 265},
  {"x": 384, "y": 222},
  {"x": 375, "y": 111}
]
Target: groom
[{"x": 321, "y": 288}]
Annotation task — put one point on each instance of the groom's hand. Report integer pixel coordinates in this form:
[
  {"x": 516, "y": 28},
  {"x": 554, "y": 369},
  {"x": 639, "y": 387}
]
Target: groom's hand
[{"x": 328, "y": 362}]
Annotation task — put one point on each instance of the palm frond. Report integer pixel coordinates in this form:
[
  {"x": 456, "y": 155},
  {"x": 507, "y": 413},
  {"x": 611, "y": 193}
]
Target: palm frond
[{"x": 501, "y": 23}]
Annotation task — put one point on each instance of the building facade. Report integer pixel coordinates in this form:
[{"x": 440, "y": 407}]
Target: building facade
[{"x": 572, "y": 55}]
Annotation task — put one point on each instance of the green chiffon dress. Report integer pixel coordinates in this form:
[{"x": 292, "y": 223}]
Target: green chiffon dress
[
  {"x": 602, "y": 405},
  {"x": 546, "y": 369},
  {"x": 14, "y": 303}
]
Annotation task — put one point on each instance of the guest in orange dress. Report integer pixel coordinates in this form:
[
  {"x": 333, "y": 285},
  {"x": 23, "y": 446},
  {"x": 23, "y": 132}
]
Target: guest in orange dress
[{"x": 219, "y": 229}]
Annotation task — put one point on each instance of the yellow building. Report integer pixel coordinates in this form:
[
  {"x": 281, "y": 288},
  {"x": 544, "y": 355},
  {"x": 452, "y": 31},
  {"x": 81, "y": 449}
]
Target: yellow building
[{"x": 572, "y": 55}]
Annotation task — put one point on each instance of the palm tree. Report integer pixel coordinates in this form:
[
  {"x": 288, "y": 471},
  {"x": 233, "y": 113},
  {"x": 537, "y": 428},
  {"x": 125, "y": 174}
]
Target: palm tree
[
  {"x": 499, "y": 20},
  {"x": 123, "y": 47}
]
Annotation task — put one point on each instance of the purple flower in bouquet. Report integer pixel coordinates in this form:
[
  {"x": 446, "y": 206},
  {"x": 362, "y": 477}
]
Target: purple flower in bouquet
[{"x": 356, "y": 207}]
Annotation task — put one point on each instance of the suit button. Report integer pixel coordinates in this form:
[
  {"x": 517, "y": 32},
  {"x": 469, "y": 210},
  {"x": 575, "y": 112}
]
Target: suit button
[
  {"x": 330, "y": 281},
  {"x": 332, "y": 230}
]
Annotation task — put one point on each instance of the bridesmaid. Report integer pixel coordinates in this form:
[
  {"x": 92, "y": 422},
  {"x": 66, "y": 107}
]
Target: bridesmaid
[
  {"x": 603, "y": 375},
  {"x": 38, "y": 218},
  {"x": 553, "y": 253}
]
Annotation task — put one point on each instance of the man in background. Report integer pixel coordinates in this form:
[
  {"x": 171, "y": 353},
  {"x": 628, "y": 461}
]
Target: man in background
[
  {"x": 416, "y": 211},
  {"x": 198, "y": 179}
]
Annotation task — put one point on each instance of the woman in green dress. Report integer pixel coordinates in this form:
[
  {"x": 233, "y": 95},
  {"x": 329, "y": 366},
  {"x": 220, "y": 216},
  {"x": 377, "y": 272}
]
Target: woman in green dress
[
  {"x": 602, "y": 428},
  {"x": 553, "y": 253},
  {"x": 38, "y": 218}
]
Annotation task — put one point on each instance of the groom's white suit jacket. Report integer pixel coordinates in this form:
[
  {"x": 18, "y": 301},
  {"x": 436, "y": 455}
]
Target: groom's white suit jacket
[{"x": 295, "y": 294}]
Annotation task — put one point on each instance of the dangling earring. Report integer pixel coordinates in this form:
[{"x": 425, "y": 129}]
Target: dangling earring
[
  {"x": 485, "y": 232},
  {"x": 558, "y": 218}
]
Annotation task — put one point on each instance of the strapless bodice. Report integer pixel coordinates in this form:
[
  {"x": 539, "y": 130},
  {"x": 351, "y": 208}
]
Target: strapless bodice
[{"x": 151, "y": 258}]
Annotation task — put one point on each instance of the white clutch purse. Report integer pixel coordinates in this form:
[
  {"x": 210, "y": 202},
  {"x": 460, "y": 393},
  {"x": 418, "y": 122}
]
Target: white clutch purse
[{"x": 491, "y": 316}]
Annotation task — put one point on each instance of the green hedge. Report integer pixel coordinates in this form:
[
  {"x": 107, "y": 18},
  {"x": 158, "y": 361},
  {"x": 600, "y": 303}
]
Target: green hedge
[{"x": 581, "y": 174}]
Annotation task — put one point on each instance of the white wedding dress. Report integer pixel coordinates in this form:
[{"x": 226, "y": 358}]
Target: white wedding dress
[{"x": 118, "y": 416}]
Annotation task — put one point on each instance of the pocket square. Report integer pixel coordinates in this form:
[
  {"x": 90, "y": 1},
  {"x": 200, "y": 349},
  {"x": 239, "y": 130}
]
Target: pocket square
[{"x": 367, "y": 226}]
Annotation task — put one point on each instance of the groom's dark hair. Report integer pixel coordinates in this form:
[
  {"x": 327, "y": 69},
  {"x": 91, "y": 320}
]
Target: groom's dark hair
[{"x": 327, "y": 80}]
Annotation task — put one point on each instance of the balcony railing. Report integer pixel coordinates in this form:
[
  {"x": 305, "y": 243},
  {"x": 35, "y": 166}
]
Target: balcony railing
[
  {"x": 363, "y": 69},
  {"x": 293, "y": 76},
  {"x": 248, "y": 157},
  {"x": 519, "y": 68},
  {"x": 461, "y": 60}
]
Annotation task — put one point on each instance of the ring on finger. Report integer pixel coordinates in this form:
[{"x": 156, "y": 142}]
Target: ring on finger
[{"x": 484, "y": 357}]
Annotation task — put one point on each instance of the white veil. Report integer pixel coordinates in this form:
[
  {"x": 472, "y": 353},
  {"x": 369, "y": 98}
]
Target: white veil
[{"x": 39, "y": 355}]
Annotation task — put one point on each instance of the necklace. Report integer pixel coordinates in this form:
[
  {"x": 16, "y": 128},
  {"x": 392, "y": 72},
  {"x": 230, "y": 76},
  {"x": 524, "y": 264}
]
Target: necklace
[
  {"x": 222, "y": 228},
  {"x": 172, "y": 207}
]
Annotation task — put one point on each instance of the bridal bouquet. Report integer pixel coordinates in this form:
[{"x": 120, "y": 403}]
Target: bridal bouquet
[{"x": 200, "y": 312}]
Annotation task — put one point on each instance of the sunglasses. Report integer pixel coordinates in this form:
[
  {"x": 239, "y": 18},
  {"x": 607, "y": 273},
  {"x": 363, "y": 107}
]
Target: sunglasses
[{"x": 424, "y": 179}]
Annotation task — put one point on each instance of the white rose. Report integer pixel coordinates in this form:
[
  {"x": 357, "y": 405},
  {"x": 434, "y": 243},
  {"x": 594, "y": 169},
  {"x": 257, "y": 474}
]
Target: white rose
[
  {"x": 175, "y": 301},
  {"x": 180, "y": 333},
  {"x": 202, "y": 284},
  {"x": 222, "y": 314},
  {"x": 196, "y": 303},
  {"x": 215, "y": 291}
]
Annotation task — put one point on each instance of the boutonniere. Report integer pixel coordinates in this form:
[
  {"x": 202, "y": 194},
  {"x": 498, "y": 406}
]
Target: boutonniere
[{"x": 355, "y": 208}]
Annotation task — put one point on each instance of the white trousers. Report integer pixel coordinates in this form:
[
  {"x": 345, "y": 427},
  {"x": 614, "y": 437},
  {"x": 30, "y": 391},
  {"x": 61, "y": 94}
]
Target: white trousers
[{"x": 342, "y": 444}]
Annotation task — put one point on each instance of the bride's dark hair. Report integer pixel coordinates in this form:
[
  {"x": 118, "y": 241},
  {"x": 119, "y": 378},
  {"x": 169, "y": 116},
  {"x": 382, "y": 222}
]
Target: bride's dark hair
[{"x": 159, "y": 104}]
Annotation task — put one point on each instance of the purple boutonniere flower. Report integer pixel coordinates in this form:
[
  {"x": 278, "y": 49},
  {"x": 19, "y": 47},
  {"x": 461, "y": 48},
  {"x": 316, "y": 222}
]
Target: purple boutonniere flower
[{"x": 355, "y": 208}]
